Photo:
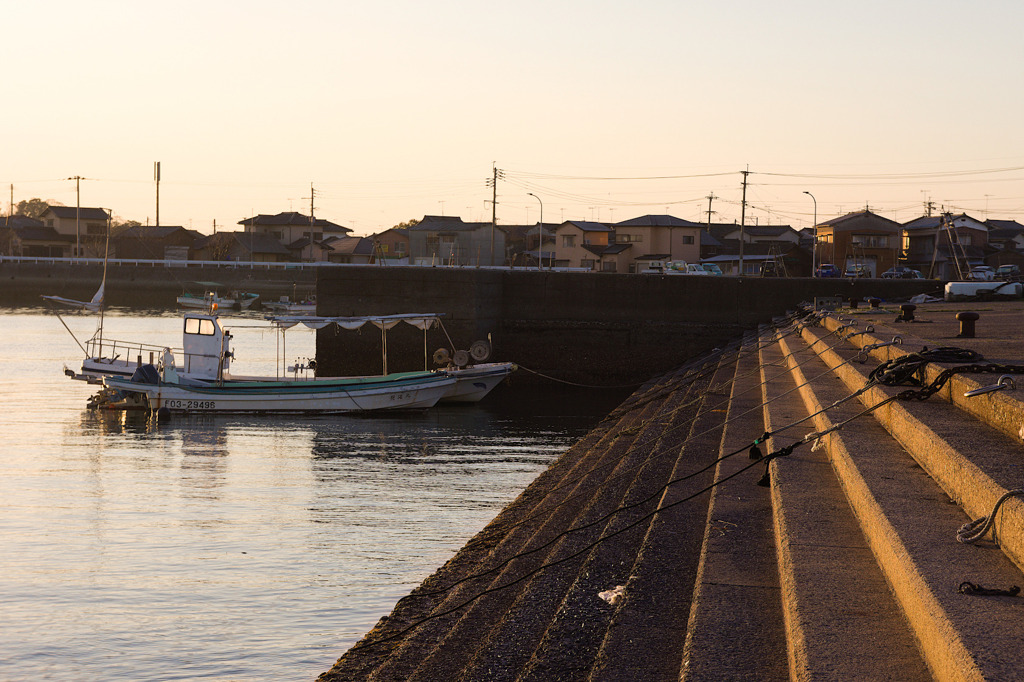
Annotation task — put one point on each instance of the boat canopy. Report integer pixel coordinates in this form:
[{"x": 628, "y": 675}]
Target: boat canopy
[{"x": 422, "y": 321}]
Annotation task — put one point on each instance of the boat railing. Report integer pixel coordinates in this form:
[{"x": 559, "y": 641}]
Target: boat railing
[{"x": 142, "y": 353}]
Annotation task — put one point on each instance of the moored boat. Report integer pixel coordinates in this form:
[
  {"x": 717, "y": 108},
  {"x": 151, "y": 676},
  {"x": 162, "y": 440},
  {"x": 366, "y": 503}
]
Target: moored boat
[{"x": 408, "y": 390}]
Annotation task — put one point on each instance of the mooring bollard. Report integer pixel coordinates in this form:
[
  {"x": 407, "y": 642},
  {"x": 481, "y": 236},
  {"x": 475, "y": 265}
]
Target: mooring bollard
[
  {"x": 967, "y": 320},
  {"x": 875, "y": 302},
  {"x": 906, "y": 312},
  {"x": 854, "y": 302}
]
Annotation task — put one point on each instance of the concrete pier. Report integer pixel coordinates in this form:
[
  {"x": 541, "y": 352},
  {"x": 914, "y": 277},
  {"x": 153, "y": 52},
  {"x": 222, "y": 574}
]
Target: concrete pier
[{"x": 844, "y": 564}]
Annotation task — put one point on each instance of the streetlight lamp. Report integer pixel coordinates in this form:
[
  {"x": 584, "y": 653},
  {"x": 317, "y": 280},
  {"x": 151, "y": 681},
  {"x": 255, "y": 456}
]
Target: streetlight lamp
[
  {"x": 540, "y": 232},
  {"x": 814, "y": 246}
]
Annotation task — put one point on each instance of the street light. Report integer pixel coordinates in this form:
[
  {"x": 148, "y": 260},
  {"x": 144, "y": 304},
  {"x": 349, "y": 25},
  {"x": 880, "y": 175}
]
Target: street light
[
  {"x": 814, "y": 246},
  {"x": 540, "y": 232}
]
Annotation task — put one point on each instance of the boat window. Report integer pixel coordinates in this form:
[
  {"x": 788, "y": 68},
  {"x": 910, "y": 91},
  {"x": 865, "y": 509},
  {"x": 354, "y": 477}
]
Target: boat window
[{"x": 197, "y": 325}]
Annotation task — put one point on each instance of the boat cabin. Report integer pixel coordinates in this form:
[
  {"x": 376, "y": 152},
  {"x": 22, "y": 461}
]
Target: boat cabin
[{"x": 207, "y": 347}]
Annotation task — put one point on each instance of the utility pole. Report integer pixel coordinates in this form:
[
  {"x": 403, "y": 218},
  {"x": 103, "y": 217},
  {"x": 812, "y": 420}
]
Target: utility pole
[
  {"x": 710, "y": 198},
  {"x": 78, "y": 214},
  {"x": 156, "y": 177},
  {"x": 743, "y": 216},
  {"x": 11, "y": 214},
  {"x": 493, "y": 183}
]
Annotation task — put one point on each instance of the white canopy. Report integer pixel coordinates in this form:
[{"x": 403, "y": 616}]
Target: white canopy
[{"x": 422, "y": 321}]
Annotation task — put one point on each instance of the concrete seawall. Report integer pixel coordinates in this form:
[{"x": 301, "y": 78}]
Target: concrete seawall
[{"x": 595, "y": 329}]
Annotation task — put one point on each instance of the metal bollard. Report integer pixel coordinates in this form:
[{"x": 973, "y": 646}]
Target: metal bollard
[
  {"x": 875, "y": 302},
  {"x": 967, "y": 320},
  {"x": 906, "y": 312}
]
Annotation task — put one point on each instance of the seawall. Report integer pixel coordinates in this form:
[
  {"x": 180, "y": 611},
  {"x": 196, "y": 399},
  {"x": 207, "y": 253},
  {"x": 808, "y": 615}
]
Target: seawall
[{"x": 594, "y": 329}]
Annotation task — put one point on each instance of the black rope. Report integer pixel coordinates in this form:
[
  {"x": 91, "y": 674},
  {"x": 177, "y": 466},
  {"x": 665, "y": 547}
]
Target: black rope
[{"x": 967, "y": 587}]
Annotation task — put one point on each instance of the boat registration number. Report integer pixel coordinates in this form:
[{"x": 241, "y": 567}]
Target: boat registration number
[
  {"x": 190, "y": 404},
  {"x": 395, "y": 397}
]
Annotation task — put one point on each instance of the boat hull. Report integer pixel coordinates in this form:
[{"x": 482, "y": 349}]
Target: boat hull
[
  {"x": 395, "y": 392},
  {"x": 473, "y": 383}
]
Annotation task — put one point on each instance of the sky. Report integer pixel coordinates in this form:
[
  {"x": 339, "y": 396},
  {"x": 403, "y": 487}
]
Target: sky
[{"x": 390, "y": 110}]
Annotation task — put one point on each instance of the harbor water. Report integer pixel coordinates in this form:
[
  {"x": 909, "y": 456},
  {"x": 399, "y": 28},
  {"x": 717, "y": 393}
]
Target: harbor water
[{"x": 232, "y": 547}]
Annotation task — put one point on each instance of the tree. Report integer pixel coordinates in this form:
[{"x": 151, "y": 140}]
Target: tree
[
  {"x": 407, "y": 223},
  {"x": 33, "y": 208}
]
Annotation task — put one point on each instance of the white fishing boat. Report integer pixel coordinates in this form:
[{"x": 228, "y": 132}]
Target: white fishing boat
[
  {"x": 209, "y": 299},
  {"x": 286, "y": 306},
  {"x": 198, "y": 377},
  {"x": 165, "y": 392}
]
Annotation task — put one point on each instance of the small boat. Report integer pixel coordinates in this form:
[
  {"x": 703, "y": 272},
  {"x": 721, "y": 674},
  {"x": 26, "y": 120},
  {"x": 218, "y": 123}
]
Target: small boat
[
  {"x": 286, "y": 306},
  {"x": 198, "y": 377},
  {"x": 244, "y": 299},
  {"x": 210, "y": 298},
  {"x": 162, "y": 390}
]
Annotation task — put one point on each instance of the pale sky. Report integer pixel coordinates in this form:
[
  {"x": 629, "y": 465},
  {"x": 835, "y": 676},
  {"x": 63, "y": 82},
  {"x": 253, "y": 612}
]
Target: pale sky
[{"x": 394, "y": 109}]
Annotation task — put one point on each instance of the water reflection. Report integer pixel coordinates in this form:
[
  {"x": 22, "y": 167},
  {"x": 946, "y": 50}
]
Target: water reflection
[{"x": 134, "y": 549}]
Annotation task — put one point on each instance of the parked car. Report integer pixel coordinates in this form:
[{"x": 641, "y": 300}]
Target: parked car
[
  {"x": 983, "y": 273},
  {"x": 711, "y": 268},
  {"x": 902, "y": 272},
  {"x": 770, "y": 269},
  {"x": 857, "y": 271},
  {"x": 1008, "y": 273},
  {"x": 827, "y": 270},
  {"x": 681, "y": 267}
]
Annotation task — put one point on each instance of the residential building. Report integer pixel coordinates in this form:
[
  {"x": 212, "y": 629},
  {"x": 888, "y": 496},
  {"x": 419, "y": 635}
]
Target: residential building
[
  {"x": 303, "y": 235},
  {"x": 85, "y": 227},
  {"x": 350, "y": 249},
  {"x": 447, "y": 240},
  {"x": 24, "y": 236},
  {"x": 656, "y": 239},
  {"x": 945, "y": 251},
  {"x": 521, "y": 244},
  {"x": 588, "y": 245},
  {"x": 861, "y": 238},
  {"x": 392, "y": 245},
  {"x": 240, "y": 246},
  {"x": 153, "y": 243}
]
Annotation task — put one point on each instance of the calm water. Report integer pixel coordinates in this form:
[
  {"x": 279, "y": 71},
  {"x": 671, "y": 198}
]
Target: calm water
[{"x": 231, "y": 548}]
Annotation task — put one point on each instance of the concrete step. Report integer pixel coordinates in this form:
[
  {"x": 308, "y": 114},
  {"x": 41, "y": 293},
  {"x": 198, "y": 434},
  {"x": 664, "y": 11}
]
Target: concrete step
[
  {"x": 643, "y": 635},
  {"x": 837, "y": 607},
  {"x": 909, "y": 525},
  {"x": 735, "y": 627},
  {"x": 592, "y": 487},
  {"x": 969, "y": 455},
  {"x": 565, "y": 482},
  {"x": 576, "y": 618}
]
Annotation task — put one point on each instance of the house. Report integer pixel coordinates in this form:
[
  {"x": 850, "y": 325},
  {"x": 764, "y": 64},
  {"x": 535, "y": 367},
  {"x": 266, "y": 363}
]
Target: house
[
  {"x": 392, "y": 245},
  {"x": 755, "y": 234},
  {"x": 589, "y": 245},
  {"x": 1005, "y": 235},
  {"x": 290, "y": 226},
  {"x": 938, "y": 250},
  {"x": 153, "y": 243},
  {"x": 86, "y": 228},
  {"x": 447, "y": 240},
  {"x": 307, "y": 250},
  {"x": 240, "y": 246},
  {"x": 658, "y": 238},
  {"x": 29, "y": 237},
  {"x": 521, "y": 244},
  {"x": 860, "y": 238},
  {"x": 350, "y": 249}
]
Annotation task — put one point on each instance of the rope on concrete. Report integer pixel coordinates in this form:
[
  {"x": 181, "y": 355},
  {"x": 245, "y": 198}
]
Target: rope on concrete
[{"x": 973, "y": 531}]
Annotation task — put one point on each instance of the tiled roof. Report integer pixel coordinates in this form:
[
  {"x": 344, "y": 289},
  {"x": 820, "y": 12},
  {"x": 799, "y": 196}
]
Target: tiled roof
[
  {"x": 146, "y": 232},
  {"x": 588, "y": 226},
  {"x": 437, "y": 223},
  {"x": 656, "y": 221},
  {"x": 292, "y": 218},
  {"x": 83, "y": 213}
]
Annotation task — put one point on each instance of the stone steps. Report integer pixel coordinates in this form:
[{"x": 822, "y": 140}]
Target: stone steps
[
  {"x": 588, "y": 482},
  {"x": 845, "y": 567},
  {"x": 909, "y": 523}
]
